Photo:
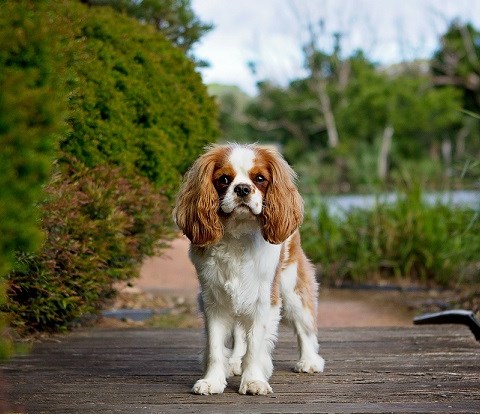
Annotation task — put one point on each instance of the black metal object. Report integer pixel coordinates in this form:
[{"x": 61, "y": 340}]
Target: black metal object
[{"x": 463, "y": 317}]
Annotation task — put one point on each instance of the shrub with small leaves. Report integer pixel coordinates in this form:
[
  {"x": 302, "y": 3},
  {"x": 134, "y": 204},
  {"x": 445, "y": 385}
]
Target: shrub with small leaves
[
  {"x": 32, "y": 106},
  {"x": 99, "y": 226},
  {"x": 137, "y": 115},
  {"x": 31, "y": 109},
  {"x": 136, "y": 101}
]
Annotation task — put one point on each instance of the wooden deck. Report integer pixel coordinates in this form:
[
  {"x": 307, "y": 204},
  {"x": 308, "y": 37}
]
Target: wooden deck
[{"x": 418, "y": 369}]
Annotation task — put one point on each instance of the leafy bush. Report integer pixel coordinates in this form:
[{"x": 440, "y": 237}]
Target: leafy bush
[
  {"x": 408, "y": 239},
  {"x": 136, "y": 100},
  {"x": 138, "y": 115},
  {"x": 30, "y": 121},
  {"x": 99, "y": 226},
  {"x": 173, "y": 18},
  {"x": 31, "y": 112}
]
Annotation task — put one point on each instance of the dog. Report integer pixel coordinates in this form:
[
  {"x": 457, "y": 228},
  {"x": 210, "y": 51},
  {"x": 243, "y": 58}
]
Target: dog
[{"x": 241, "y": 210}]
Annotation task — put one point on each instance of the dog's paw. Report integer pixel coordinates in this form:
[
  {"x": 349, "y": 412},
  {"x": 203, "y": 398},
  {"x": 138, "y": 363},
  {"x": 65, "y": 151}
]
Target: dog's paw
[
  {"x": 314, "y": 364},
  {"x": 208, "y": 386},
  {"x": 255, "y": 387},
  {"x": 234, "y": 367}
]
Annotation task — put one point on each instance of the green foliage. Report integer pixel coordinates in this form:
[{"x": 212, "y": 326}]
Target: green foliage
[
  {"x": 407, "y": 115},
  {"x": 137, "y": 114},
  {"x": 418, "y": 113},
  {"x": 407, "y": 239},
  {"x": 31, "y": 110},
  {"x": 421, "y": 117},
  {"x": 136, "y": 101},
  {"x": 457, "y": 62},
  {"x": 99, "y": 226},
  {"x": 231, "y": 103},
  {"x": 175, "y": 19}
]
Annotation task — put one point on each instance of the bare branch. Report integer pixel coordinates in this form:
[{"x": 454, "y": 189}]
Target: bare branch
[
  {"x": 292, "y": 128},
  {"x": 384, "y": 151}
]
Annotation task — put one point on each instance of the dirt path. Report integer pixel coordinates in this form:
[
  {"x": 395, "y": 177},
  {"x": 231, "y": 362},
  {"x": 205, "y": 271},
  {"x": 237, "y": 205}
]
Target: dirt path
[{"x": 173, "y": 274}]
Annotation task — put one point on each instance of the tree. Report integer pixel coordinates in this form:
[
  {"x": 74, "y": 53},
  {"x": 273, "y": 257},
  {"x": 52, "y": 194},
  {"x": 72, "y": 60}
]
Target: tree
[
  {"x": 325, "y": 68},
  {"x": 384, "y": 118},
  {"x": 457, "y": 62},
  {"x": 135, "y": 100},
  {"x": 175, "y": 19},
  {"x": 232, "y": 102}
]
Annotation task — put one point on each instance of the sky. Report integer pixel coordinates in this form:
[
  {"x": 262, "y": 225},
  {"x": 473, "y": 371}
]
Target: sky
[{"x": 271, "y": 33}]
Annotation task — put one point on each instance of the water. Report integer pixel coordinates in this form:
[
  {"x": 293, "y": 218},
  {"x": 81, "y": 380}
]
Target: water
[{"x": 341, "y": 204}]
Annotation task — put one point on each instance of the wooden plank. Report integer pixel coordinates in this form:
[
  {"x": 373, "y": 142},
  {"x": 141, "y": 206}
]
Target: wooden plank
[{"x": 420, "y": 369}]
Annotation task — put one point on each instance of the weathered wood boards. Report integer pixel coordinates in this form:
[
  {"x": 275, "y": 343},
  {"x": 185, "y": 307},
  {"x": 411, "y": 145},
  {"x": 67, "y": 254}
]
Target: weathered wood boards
[{"x": 421, "y": 369}]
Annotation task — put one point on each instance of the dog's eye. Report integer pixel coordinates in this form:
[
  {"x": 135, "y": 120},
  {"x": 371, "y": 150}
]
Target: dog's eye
[
  {"x": 224, "y": 180},
  {"x": 259, "y": 178}
]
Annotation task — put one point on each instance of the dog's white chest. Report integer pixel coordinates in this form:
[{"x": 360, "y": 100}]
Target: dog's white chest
[{"x": 237, "y": 274}]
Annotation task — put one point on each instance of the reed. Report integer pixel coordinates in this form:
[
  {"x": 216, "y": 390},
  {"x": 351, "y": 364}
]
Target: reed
[{"x": 405, "y": 241}]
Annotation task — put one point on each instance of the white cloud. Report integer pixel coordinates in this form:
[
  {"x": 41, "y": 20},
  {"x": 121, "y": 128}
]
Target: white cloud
[{"x": 271, "y": 33}]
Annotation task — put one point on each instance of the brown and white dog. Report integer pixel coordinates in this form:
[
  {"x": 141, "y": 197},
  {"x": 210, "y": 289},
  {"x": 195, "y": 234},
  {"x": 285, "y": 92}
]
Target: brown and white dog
[{"x": 241, "y": 210}]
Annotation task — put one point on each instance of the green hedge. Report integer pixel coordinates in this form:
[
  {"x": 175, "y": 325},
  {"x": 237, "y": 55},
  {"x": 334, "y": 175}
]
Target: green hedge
[
  {"x": 136, "y": 100},
  {"x": 31, "y": 109},
  {"x": 137, "y": 115},
  {"x": 99, "y": 226}
]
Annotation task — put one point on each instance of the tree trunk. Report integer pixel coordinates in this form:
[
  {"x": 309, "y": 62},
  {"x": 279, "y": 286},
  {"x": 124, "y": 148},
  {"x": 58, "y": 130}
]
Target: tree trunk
[
  {"x": 460, "y": 142},
  {"x": 384, "y": 151},
  {"x": 320, "y": 89},
  {"x": 447, "y": 156}
]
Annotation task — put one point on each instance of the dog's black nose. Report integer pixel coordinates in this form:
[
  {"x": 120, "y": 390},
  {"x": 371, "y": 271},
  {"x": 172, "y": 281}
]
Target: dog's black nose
[{"x": 242, "y": 190}]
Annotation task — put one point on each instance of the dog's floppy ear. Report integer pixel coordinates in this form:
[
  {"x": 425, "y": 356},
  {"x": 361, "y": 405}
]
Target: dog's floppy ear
[
  {"x": 283, "y": 206},
  {"x": 196, "y": 209}
]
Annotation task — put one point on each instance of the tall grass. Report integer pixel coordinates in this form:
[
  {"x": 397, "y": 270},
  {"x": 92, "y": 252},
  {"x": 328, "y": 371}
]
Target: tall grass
[{"x": 404, "y": 241}]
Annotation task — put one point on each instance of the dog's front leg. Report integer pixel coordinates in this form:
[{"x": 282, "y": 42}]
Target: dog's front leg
[
  {"x": 214, "y": 381},
  {"x": 257, "y": 364},
  {"x": 239, "y": 349}
]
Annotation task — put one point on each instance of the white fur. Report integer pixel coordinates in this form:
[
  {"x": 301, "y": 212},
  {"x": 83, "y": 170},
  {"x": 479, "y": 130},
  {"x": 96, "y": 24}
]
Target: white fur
[
  {"x": 236, "y": 277},
  {"x": 242, "y": 159},
  {"x": 303, "y": 323}
]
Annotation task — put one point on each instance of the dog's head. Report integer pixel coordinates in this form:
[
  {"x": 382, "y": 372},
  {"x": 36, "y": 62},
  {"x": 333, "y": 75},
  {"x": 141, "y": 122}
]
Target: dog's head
[{"x": 238, "y": 182}]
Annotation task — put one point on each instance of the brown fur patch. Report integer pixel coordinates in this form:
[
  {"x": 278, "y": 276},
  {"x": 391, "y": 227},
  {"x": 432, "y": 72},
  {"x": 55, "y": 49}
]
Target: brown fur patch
[
  {"x": 275, "y": 292},
  {"x": 306, "y": 286},
  {"x": 283, "y": 207},
  {"x": 196, "y": 210}
]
